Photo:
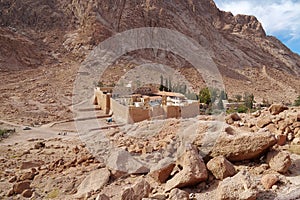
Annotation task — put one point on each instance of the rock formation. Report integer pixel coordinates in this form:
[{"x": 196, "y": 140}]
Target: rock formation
[{"x": 50, "y": 39}]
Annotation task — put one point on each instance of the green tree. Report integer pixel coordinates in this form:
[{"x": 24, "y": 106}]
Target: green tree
[
  {"x": 161, "y": 79},
  {"x": 223, "y": 95},
  {"x": 297, "y": 101},
  {"x": 205, "y": 96},
  {"x": 184, "y": 89},
  {"x": 249, "y": 100},
  {"x": 166, "y": 84},
  {"x": 161, "y": 82},
  {"x": 214, "y": 94},
  {"x": 220, "y": 104},
  {"x": 238, "y": 97},
  {"x": 170, "y": 84}
]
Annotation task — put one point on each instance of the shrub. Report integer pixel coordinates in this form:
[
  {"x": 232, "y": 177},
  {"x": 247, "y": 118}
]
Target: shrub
[
  {"x": 297, "y": 101},
  {"x": 53, "y": 194},
  {"x": 5, "y": 132},
  {"x": 242, "y": 109},
  {"x": 249, "y": 100},
  {"x": 238, "y": 97},
  {"x": 204, "y": 96}
]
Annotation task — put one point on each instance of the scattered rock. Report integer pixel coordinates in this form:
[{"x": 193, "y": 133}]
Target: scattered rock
[
  {"x": 177, "y": 194},
  {"x": 298, "y": 117},
  {"x": 229, "y": 130},
  {"x": 162, "y": 170},
  {"x": 275, "y": 109},
  {"x": 256, "y": 113},
  {"x": 281, "y": 139},
  {"x": 21, "y": 186},
  {"x": 10, "y": 192},
  {"x": 27, "y": 193},
  {"x": 159, "y": 196},
  {"x": 12, "y": 179},
  {"x": 31, "y": 164},
  {"x": 139, "y": 191},
  {"x": 93, "y": 182},
  {"x": 243, "y": 146},
  {"x": 220, "y": 167},
  {"x": 239, "y": 187},
  {"x": 279, "y": 161},
  {"x": 235, "y": 117},
  {"x": 102, "y": 197},
  {"x": 121, "y": 163},
  {"x": 230, "y": 119},
  {"x": 76, "y": 150},
  {"x": 39, "y": 145},
  {"x": 263, "y": 121},
  {"x": 269, "y": 180},
  {"x": 193, "y": 170},
  {"x": 27, "y": 176},
  {"x": 84, "y": 158}
]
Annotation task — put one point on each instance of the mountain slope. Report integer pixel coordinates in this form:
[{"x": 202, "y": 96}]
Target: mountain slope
[{"x": 50, "y": 38}]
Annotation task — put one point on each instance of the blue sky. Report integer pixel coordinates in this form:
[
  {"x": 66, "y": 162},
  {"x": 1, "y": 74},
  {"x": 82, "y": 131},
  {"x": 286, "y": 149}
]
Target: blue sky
[{"x": 280, "y": 18}]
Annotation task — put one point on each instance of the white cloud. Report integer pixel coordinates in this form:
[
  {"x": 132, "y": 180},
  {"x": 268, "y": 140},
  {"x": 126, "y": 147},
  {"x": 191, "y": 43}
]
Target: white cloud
[{"x": 279, "y": 17}]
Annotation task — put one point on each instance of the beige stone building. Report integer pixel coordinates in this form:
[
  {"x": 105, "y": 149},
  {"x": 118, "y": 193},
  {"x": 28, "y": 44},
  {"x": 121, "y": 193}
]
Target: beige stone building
[{"x": 146, "y": 103}]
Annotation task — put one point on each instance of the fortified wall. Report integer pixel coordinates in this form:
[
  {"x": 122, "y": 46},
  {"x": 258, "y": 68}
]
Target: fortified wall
[{"x": 131, "y": 114}]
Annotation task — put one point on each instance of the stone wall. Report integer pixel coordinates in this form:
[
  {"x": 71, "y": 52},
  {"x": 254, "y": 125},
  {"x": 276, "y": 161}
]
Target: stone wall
[
  {"x": 120, "y": 111},
  {"x": 173, "y": 111},
  {"x": 136, "y": 114},
  {"x": 190, "y": 110},
  {"x": 157, "y": 112},
  {"x": 103, "y": 101}
]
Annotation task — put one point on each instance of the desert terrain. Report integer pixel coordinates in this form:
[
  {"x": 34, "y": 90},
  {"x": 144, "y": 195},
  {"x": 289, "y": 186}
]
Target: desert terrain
[{"x": 44, "y": 46}]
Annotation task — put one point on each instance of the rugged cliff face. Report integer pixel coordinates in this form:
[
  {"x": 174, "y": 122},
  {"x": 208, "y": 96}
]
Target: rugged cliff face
[{"x": 50, "y": 39}]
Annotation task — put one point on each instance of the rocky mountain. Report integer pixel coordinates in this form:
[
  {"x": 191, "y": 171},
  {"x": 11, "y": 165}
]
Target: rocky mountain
[{"x": 44, "y": 42}]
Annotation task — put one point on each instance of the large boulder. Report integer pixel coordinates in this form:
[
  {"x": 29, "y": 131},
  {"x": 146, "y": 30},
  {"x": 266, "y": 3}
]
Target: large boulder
[
  {"x": 243, "y": 146},
  {"x": 161, "y": 172},
  {"x": 139, "y": 191},
  {"x": 275, "y": 109},
  {"x": 193, "y": 170},
  {"x": 121, "y": 163},
  {"x": 220, "y": 167},
  {"x": 239, "y": 187},
  {"x": 279, "y": 161},
  {"x": 93, "y": 182}
]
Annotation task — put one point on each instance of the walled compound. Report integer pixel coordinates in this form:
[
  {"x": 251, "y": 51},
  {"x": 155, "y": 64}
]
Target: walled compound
[{"x": 145, "y": 103}]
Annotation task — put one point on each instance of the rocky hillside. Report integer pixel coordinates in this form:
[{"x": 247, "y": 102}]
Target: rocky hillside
[
  {"x": 43, "y": 43},
  {"x": 255, "y": 156}
]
